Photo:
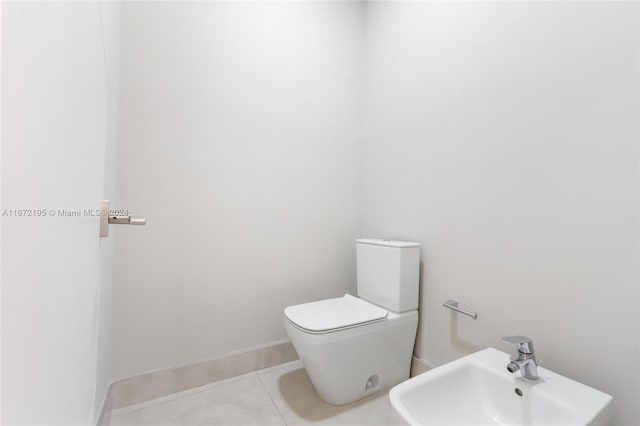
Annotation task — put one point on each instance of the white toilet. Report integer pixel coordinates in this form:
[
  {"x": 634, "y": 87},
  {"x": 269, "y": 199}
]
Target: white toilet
[{"x": 354, "y": 346}]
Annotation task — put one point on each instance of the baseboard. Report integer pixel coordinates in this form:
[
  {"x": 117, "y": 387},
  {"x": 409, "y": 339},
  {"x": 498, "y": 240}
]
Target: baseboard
[
  {"x": 155, "y": 384},
  {"x": 104, "y": 415},
  {"x": 419, "y": 366},
  {"x": 159, "y": 383}
]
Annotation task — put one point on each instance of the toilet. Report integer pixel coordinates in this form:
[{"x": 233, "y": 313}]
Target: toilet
[{"x": 354, "y": 346}]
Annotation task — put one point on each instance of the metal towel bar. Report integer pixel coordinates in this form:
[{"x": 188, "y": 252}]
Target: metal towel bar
[{"x": 453, "y": 304}]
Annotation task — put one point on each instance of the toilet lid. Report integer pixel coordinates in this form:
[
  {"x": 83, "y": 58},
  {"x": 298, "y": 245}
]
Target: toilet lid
[{"x": 333, "y": 314}]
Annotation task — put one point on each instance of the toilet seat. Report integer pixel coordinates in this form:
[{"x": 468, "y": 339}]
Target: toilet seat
[{"x": 331, "y": 315}]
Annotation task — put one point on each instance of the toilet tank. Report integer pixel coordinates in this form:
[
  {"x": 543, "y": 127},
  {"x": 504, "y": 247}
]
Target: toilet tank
[{"x": 388, "y": 273}]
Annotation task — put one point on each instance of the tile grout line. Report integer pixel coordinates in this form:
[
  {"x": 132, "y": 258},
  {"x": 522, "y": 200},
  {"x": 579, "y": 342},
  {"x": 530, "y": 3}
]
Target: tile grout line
[{"x": 271, "y": 398}]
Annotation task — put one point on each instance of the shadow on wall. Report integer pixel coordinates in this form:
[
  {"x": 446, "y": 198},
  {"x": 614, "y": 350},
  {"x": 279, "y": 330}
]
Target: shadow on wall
[{"x": 458, "y": 342}]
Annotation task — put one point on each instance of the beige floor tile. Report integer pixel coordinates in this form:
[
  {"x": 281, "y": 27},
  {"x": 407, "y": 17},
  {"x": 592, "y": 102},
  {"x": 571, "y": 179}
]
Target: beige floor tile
[
  {"x": 241, "y": 400},
  {"x": 296, "y": 399}
]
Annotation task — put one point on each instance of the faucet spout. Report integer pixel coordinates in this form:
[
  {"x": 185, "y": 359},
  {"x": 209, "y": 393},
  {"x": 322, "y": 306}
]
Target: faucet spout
[
  {"x": 528, "y": 368},
  {"x": 525, "y": 359},
  {"x": 512, "y": 367}
]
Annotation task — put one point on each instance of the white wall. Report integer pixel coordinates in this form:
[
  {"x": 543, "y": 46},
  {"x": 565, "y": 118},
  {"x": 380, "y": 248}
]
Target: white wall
[
  {"x": 504, "y": 138},
  {"x": 110, "y": 25},
  {"x": 239, "y": 144},
  {"x": 54, "y": 103},
  {"x": 0, "y": 209}
]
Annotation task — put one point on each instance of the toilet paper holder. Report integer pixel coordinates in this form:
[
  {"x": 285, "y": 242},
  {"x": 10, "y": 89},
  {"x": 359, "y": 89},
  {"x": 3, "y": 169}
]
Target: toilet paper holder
[{"x": 453, "y": 305}]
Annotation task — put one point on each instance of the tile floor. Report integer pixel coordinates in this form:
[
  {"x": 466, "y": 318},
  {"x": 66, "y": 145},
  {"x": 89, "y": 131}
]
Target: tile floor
[{"x": 280, "y": 395}]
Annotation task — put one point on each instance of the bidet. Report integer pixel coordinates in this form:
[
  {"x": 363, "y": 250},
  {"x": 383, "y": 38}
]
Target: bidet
[{"x": 476, "y": 390}]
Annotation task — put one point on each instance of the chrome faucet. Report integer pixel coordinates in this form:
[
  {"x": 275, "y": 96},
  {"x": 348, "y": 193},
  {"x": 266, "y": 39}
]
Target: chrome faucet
[{"x": 524, "y": 359}]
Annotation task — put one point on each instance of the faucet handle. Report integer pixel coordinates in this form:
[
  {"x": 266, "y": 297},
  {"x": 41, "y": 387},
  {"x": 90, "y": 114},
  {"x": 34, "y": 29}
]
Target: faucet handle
[
  {"x": 517, "y": 339},
  {"x": 524, "y": 344}
]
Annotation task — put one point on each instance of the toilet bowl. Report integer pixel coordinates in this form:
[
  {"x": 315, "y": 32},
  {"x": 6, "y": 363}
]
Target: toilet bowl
[{"x": 354, "y": 346}]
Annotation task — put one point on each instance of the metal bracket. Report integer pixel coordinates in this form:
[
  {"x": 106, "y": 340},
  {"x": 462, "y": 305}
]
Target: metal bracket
[{"x": 106, "y": 219}]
